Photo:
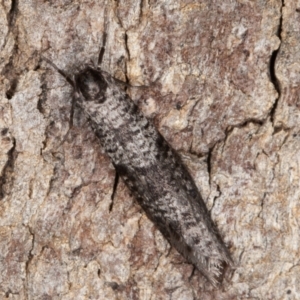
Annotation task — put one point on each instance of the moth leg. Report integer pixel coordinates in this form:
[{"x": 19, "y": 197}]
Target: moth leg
[
  {"x": 192, "y": 273},
  {"x": 114, "y": 191}
]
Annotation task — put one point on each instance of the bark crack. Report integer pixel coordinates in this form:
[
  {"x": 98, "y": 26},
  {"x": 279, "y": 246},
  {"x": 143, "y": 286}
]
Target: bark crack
[
  {"x": 9, "y": 70},
  {"x": 11, "y": 18},
  {"x": 12, "y": 14},
  {"x": 128, "y": 57},
  {"x": 272, "y": 68},
  {"x": 27, "y": 264},
  {"x": 7, "y": 174}
]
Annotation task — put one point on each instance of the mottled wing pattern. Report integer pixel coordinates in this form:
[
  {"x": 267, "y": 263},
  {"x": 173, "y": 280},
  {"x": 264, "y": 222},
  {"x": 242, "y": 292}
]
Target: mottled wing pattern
[{"x": 152, "y": 171}]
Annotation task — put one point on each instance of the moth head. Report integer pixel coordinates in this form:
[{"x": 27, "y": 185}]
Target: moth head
[{"x": 91, "y": 84}]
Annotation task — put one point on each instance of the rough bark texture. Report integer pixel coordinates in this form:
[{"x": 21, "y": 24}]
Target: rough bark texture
[{"x": 221, "y": 83}]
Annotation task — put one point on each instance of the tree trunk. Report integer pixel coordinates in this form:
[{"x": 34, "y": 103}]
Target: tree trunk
[{"x": 219, "y": 79}]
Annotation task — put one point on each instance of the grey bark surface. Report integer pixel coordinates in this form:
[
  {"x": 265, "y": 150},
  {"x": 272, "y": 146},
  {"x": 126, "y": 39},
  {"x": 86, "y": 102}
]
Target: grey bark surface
[{"x": 221, "y": 83}]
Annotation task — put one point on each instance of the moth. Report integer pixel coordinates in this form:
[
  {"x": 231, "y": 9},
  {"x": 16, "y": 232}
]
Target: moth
[{"x": 152, "y": 171}]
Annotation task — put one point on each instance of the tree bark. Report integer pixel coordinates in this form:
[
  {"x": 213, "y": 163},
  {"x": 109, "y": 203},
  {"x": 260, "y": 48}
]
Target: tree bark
[{"x": 219, "y": 79}]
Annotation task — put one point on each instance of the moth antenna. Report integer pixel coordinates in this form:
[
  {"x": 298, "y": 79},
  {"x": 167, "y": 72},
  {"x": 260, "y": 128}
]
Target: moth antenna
[
  {"x": 102, "y": 50},
  {"x": 104, "y": 37},
  {"x": 72, "y": 83},
  {"x": 61, "y": 72}
]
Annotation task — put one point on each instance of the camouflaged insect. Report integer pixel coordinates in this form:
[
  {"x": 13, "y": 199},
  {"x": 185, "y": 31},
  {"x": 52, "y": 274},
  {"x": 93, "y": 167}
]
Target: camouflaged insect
[{"x": 152, "y": 171}]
